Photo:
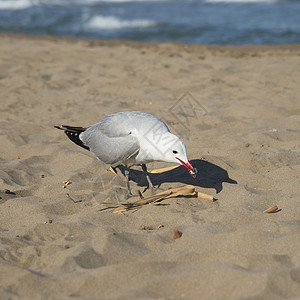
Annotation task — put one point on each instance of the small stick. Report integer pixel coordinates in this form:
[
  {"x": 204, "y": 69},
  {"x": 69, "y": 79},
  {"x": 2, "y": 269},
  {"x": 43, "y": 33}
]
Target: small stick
[
  {"x": 185, "y": 190},
  {"x": 271, "y": 209},
  {"x": 162, "y": 170},
  {"x": 140, "y": 194}
]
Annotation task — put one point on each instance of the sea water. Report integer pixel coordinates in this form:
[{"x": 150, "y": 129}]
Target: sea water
[{"x": 236, "y": 22}]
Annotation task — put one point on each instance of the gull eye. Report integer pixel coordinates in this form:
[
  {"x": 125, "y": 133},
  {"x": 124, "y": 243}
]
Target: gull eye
[{"x": 175, "y": 152}]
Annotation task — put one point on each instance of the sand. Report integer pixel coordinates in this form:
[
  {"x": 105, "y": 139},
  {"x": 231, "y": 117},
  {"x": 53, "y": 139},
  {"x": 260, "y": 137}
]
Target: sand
[{"x": 238, "y": 111}]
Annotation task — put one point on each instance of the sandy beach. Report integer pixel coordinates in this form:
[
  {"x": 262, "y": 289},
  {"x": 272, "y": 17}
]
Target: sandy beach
[{"x": 238, "y": 111}]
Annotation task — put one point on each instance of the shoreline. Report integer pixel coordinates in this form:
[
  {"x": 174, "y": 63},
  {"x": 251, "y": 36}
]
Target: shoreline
[{"x": 236, "y": 51}]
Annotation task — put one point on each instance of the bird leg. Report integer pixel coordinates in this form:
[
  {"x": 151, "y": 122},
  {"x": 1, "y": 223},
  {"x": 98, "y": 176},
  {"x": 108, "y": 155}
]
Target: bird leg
[
  {"x": 150, "y": 185},
  {"x": 126, "y": 172}
]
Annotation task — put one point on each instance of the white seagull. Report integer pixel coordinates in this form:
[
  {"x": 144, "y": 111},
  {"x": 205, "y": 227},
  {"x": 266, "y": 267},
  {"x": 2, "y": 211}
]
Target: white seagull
[{"x": 131, "y": 137}]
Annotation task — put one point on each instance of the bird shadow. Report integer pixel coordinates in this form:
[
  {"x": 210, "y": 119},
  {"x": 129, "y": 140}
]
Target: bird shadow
[{"x": 209, "y": 175}]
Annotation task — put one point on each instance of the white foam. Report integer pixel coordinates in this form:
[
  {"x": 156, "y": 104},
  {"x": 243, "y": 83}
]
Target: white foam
[
  {"x": 110, "y": 22},
  {"x": 22, "y": 4},
  {"x": 16, "y": 4},
  {"x": 95, "y": 1},
  {"x": 240, "y": 1}
]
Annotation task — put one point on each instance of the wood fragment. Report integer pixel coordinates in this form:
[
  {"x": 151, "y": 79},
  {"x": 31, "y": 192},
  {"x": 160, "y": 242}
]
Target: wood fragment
[
  {"x": 205, "y": 196},
  {"x": 111, "y": 169},
  {"x": 150, "y": 199},
  {"x": 183, "y": 191},
  {"x": 177, "y": 234},
  {"x": 6, "y": 191},
  {"x": 162, "y": 170},
  {"x": 66, "y": 183},
  {"x": 145, "y": 227},
  {"x": 271, "y": 209}
]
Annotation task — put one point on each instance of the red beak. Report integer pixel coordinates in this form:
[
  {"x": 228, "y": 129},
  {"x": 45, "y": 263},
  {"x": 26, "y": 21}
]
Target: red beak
[{"x": 189, "y": 167}]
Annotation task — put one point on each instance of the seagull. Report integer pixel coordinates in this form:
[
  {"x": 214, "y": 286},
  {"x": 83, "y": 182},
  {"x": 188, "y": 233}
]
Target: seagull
[{"x": 131, "y": 138}]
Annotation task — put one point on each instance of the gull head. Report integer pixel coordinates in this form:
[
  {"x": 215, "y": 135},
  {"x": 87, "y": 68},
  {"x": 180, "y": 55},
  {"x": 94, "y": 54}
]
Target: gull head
[{"x": 175, "y": 152}]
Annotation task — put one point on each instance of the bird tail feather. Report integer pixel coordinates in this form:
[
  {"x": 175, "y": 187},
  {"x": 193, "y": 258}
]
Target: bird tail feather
[{"x": 73, "y": 134}]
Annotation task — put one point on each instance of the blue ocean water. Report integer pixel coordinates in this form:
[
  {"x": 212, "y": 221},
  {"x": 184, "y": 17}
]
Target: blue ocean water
[{"x": 235, "y": 22}]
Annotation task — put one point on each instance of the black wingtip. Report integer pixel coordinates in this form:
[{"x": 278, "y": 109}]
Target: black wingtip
[
  {"x": 74, "y": 137},
  {"x": 73, "y": 134}
]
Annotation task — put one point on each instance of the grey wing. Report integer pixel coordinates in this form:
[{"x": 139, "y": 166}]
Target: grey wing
[
  {"x": 111, "y": 142},
  {"x": 121, "y": 123},
  {"x": 116, "y": 125}
]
